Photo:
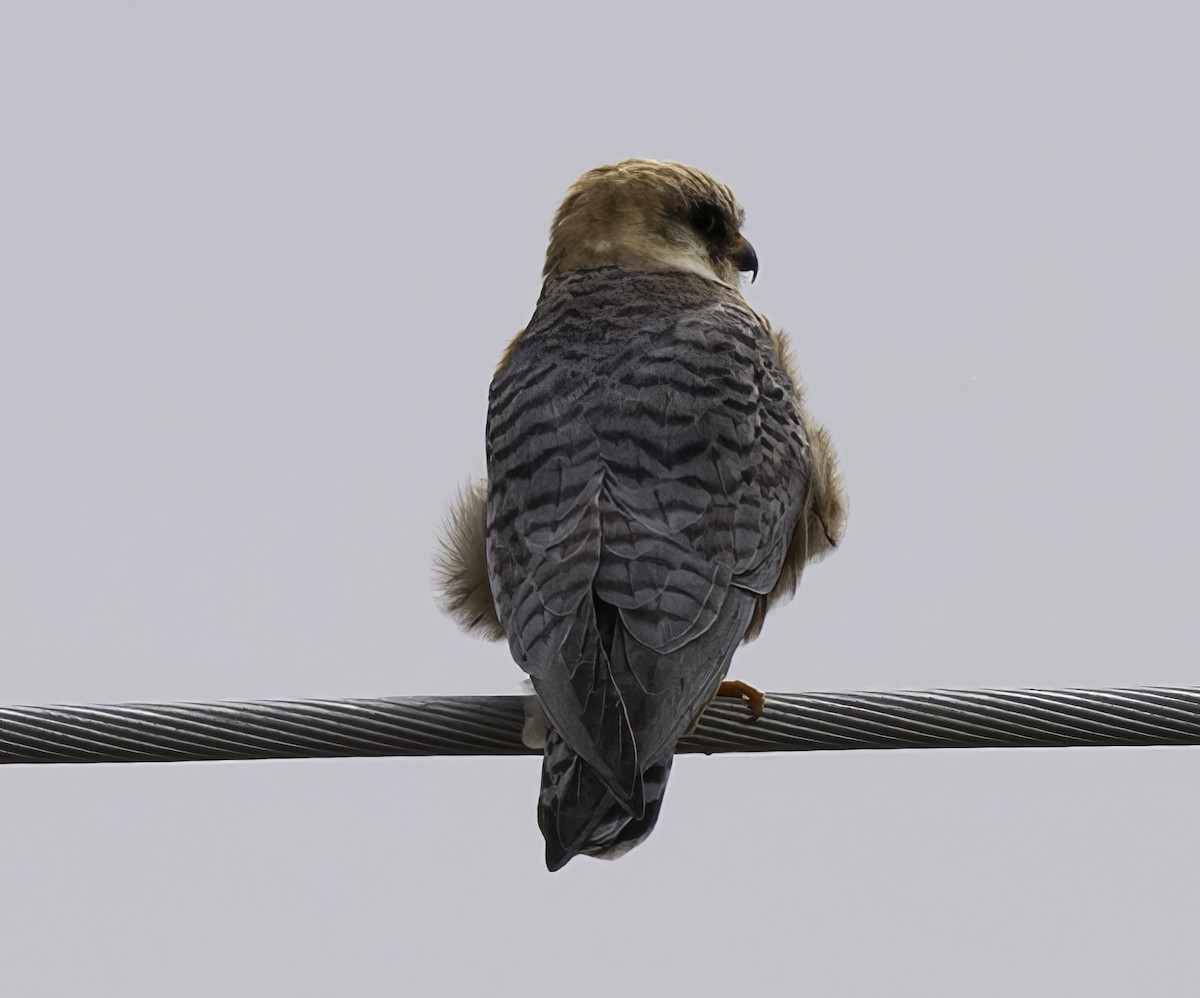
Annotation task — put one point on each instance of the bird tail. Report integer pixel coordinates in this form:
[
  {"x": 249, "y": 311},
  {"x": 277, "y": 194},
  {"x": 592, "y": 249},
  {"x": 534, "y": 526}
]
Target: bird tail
[{"x": 579, "y": 815}]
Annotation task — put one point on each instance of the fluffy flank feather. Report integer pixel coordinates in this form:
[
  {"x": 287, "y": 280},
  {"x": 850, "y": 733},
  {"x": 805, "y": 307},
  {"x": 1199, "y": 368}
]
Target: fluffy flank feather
[
  {"x": 825, "y": 518},
  {"x": 823, "y": 524},
  {"x": 508, "y": 351},
  {"x": 460, "y": 564}
]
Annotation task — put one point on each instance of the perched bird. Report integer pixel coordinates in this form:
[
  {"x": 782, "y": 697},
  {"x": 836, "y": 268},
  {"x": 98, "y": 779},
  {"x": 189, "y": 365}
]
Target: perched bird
[{"x": 655, "y": 484}]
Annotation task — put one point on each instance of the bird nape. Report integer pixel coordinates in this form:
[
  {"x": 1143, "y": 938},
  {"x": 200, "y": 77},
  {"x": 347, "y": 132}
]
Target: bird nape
[{"x": 655, "y": 484}]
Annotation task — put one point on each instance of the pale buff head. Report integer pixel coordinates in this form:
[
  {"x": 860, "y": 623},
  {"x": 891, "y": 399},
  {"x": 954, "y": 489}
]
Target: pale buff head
[{"x": 646, "y": 215}]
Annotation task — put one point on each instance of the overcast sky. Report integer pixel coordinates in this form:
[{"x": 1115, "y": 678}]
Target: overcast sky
[{"x": 257, "y": 263}]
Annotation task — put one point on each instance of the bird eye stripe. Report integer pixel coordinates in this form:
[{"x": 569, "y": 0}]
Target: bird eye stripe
[{"x": 708, "y": 219}]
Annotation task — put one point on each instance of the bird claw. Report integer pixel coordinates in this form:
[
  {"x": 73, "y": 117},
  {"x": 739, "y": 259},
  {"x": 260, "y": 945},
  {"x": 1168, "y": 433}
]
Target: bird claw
[{"x": 755, "y": 700}]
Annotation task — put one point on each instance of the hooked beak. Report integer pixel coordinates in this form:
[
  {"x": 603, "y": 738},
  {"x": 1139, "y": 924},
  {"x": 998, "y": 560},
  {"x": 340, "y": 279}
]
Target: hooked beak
[{"x": 744, "y": 257}]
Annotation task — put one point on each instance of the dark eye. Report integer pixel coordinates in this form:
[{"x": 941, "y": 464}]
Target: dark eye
[{"x": 706, "y": 220}]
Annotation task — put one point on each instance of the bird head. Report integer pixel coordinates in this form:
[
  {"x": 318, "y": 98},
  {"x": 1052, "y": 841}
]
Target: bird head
[{"x": 644, "y": 215}]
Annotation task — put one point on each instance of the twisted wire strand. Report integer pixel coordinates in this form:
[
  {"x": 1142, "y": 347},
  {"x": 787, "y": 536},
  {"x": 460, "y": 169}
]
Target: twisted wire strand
[{"x": 492, "y": 725}]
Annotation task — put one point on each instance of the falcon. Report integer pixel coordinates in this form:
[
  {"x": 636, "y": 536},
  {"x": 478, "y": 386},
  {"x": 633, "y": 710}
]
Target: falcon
[{"x": 655, "y": 484}]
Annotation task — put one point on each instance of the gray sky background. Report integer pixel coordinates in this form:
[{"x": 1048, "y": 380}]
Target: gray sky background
[{"x": 257, "y": 262}]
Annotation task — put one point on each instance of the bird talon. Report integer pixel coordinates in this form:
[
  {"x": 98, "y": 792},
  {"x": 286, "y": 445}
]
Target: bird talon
[{"x": 754, "y": 698}]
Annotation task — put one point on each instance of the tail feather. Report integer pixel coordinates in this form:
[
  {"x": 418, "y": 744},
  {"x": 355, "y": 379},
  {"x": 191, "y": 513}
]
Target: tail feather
[
  {"x": 585, "y": 808},
  {"x": 579, "y": 815}
]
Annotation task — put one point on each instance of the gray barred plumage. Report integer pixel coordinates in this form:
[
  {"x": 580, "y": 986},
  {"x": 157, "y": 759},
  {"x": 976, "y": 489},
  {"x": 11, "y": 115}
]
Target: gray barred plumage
[{"x": 654, "y": 483}]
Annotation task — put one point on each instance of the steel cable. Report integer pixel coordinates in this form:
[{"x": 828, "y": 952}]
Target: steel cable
[{"x": 492, "y": 725}]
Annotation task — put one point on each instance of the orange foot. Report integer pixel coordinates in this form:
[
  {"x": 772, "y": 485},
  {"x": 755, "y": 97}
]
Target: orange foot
[{"x": 754, "y": 698}]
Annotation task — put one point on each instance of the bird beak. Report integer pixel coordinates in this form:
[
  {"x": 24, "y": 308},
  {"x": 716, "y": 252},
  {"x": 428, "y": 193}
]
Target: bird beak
[{"x": 744, "y": 257}]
